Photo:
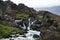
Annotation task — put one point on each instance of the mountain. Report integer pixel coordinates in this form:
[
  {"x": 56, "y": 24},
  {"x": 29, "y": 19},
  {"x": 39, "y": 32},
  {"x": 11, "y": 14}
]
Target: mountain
[
  {"x": 55, "y": 9},
  {"x": 9, "y": 7}
]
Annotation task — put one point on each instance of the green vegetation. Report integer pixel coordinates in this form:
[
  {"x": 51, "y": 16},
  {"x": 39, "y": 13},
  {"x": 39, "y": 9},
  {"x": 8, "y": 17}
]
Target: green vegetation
[
  {"x": 6, "y": 31},
  {"x": 37, "y": 39},
  {"x": 23, "y": 15},
  {"x": 39, "y": 16}
]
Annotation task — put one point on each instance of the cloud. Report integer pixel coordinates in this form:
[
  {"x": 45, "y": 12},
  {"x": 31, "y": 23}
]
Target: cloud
[{"x": 38, "y": 3}]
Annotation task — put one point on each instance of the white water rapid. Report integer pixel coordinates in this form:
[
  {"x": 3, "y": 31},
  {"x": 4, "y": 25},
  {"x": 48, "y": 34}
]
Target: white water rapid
[{"x": 29, "y": 34}]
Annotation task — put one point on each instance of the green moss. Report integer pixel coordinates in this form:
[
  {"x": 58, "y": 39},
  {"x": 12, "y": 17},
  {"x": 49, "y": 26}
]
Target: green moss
[
  {"x": 5, "y": 31},
  {"x": 39, "y": 16},
  {"x": 37, "y": 39},
  {"x": 23, "y": 15}
]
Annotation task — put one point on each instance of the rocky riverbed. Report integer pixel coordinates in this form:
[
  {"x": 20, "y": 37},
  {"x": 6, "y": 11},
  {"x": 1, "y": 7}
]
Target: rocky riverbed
[{"x": 30, "y": 35}]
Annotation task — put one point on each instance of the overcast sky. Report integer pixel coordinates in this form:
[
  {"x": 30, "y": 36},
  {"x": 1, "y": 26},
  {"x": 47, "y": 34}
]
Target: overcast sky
[{"x": 38, "y": 3}]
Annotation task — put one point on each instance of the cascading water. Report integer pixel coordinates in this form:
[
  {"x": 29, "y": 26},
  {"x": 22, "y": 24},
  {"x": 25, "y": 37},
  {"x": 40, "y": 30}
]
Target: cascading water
[
  {"x": 29, "y": 34},
  {"x": 29, "y": 24}
]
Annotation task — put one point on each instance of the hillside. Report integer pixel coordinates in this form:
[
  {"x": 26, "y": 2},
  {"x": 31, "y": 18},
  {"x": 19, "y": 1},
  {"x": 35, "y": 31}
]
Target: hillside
[
  {"x": 22, "y": 19},
  {"x": 51, "y": 15},
  {"x": 8, "y": 7}
]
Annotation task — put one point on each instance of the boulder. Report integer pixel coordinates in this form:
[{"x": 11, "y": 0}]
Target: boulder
[{"x": 35, "y": 36}]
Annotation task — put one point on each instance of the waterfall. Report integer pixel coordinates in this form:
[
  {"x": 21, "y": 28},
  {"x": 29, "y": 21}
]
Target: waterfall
[
  {"x": 29, "y": 34},
  {"x": 24, "y": 27},
  {"x": 29, "y": 24},
  {"x": 33, "y": 22}
]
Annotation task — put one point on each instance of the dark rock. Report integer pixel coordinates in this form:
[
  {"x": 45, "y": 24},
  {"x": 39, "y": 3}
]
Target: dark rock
[
  {"x": 36, "y": 25},
  {"x": 50, "y": 36},
  {"x": 24, "y": 36},
  {"x": 35, "y": 36},
  {"x": 11, "y": 39}
]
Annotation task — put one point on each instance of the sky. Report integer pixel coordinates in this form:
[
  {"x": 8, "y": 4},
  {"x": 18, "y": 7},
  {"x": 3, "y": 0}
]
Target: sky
[{"x": 38, "y": 3}]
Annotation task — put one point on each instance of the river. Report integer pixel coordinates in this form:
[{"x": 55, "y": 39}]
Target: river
[{"x": 29, "y": 34}]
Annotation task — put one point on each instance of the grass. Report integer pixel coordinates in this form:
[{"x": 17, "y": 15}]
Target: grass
[
  {"x": 6, "y": 31},
  {"x": 39, "y": 16},
  {"x": 23, "y": 15}
]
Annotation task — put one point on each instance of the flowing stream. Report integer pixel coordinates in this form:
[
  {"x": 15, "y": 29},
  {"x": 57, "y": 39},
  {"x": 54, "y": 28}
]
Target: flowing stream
[{"x": 29, "y": 34}]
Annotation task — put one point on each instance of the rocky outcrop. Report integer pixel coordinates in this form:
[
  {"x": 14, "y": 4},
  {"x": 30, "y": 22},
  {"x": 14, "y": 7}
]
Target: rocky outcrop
[
  {"x": 50, "y": 28},
  {"x": 50, "y": 36},
  {"x": 36, "y": 25},
  {"x": 8, "y": 7},
  {"x": 51, "y": 15}
]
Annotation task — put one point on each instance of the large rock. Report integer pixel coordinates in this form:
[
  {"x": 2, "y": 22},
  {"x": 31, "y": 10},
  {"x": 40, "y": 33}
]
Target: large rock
[
  {"x": 50, "y": 35},
  {"x": 35, "y": 36},
  {"x": 50, "y": 30},
  {"x": 36, "y": 25}
]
